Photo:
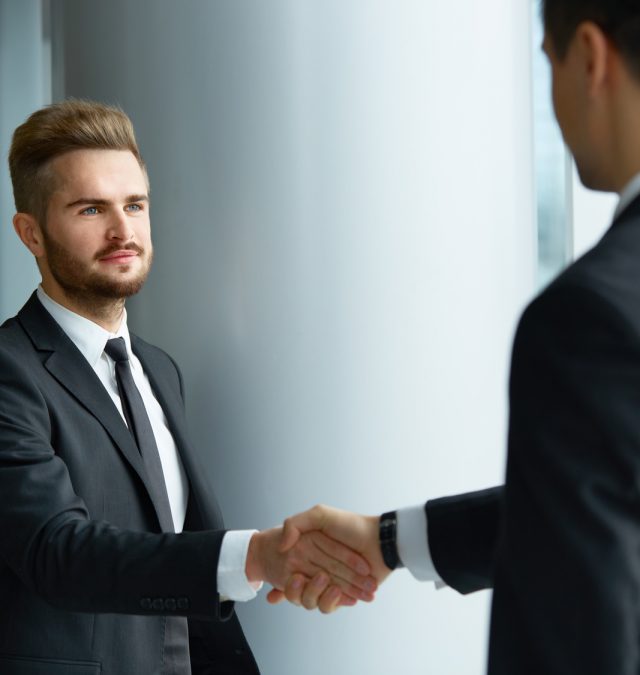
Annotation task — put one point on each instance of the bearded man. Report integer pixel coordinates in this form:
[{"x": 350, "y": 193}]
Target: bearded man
[{"x": 114, "y": 555}]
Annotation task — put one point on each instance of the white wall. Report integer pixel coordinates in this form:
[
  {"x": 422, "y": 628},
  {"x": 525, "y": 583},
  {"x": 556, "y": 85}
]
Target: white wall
[{"x": 343, "y": 217}]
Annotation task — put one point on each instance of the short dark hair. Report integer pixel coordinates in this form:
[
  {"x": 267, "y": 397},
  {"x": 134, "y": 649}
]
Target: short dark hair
[
  {"x": 618, "y": 19},
  {"x": 55, "y": 130}
]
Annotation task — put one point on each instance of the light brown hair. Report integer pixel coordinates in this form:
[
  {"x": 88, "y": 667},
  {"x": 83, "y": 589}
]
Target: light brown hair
[{"x": 53, "y": 131}]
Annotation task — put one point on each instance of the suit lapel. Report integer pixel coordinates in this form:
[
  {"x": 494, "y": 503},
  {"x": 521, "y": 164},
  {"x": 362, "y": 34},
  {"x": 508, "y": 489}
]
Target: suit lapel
[
  {"x": 166, "y": 390},
  {"x": 69, "y": 367}
]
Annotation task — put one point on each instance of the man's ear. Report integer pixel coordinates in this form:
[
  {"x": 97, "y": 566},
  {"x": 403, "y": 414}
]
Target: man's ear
[
  {"x": 28, "y": 229},
  {"x": 598, "y": 57}
]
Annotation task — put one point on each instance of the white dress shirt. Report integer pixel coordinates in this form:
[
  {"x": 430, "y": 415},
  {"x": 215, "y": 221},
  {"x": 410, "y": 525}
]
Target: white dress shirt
[
  {"x": 413, "y": 543},
  {"x": 90, "y": 339},
  {"x": 412, "y": 539}
]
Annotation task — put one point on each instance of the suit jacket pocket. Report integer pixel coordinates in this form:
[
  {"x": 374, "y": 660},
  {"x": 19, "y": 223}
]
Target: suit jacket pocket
[{"x": 22, "y": 665}]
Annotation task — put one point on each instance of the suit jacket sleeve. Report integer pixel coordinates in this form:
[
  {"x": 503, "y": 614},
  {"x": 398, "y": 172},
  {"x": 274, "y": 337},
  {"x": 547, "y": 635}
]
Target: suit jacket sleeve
[
  {"x": 73, "y": 562},
  {"x": 462, "y": 532},
  {"x": 567, "y": 583}
]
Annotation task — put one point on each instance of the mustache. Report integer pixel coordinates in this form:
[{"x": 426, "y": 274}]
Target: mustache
[{"x": 114, "y": 248}]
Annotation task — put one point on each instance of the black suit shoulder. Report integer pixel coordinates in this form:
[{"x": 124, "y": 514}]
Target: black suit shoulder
[{"x": 609, "y": 272}]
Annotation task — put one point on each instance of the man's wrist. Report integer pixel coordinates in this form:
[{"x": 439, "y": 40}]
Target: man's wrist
[{"x": 254, "y": 569}]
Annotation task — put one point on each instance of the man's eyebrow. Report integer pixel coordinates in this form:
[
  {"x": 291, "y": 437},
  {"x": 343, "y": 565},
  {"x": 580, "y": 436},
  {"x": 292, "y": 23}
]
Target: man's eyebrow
[{"x": 105, "y": 202}]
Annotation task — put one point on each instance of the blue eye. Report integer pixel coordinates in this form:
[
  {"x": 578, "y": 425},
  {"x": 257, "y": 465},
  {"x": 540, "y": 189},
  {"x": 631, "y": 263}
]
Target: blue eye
[
  {"x": 134, "y": 207},
  {"x": 90, "y": 211}
]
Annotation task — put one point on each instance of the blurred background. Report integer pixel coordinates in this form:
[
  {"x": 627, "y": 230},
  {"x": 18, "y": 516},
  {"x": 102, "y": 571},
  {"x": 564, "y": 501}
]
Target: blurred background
[{"x": 352, "y": 202}]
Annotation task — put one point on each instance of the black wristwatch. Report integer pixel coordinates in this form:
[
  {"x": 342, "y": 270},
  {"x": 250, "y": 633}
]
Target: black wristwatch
[{"x": 388, "y": 545}]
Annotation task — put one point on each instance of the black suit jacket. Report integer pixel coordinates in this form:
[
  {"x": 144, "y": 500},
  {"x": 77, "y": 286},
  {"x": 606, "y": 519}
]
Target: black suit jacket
[
  {"x": 561, "y": 543},
  {"x": 86, "y": 574}
]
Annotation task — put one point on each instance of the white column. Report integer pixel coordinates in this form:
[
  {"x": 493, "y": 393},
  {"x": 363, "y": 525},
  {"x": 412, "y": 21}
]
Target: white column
[{"x": 344, "y": 225}]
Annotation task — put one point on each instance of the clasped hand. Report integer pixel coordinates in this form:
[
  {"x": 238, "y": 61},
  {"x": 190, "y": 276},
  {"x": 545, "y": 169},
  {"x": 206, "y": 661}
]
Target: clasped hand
[{"x": 322, "y": 558}]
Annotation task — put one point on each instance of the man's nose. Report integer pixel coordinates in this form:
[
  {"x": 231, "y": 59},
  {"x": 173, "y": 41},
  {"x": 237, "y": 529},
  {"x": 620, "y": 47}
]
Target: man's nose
[{"x": 120, "y": 227}]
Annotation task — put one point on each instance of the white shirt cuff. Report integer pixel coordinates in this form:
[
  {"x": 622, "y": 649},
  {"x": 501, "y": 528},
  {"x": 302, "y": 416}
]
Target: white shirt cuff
[
  {"x": 413, "y": 544},
  {"x": 232, "y": 576}
]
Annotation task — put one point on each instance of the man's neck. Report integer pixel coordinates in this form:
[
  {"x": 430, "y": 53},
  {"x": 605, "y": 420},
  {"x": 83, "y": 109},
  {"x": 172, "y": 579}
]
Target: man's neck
[
  {"x": 623, "y": 147},
  {"x": 106, "y": 312}
]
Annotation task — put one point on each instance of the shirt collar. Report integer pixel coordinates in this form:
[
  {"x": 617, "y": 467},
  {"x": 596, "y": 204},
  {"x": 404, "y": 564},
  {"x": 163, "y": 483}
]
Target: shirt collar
[
  {"x": 86, "y": 335},
  {"x": 628, "y": 194}
]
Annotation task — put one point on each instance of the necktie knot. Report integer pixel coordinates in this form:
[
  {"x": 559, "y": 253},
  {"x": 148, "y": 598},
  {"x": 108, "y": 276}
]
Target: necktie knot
[{"x": 116, "y": 348}]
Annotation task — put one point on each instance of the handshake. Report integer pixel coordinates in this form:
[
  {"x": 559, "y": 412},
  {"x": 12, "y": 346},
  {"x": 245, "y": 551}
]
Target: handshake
[{"x": 322, "y": 559}]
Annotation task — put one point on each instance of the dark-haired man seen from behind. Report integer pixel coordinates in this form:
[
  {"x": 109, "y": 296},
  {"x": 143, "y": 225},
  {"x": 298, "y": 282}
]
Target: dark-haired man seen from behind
[
  {"x": 114, "y": 558},
  {"x": 561, "y": 543}
]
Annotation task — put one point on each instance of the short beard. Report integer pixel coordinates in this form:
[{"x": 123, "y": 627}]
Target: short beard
[{"x": 89, "y": 289}]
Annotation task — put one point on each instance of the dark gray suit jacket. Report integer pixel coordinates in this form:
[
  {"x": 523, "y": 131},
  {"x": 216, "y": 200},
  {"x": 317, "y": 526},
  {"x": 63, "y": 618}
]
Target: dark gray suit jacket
[
  {"x": 561, "y": 543},
  {"x": 86, "y": 575}
]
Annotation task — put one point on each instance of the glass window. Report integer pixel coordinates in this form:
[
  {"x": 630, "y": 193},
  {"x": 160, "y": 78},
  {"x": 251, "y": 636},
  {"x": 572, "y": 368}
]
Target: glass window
[{"x": 552, "y": 168}]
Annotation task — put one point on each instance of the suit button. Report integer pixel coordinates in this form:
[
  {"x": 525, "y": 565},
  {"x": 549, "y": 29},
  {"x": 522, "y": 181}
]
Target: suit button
[
  {"x": 239, "y": 652},
  {"x": 145, "y": 603},
  {"x": 183, "y": 603},
  {"x": 170, "y": 604},
  {"x": 158, "y": 604}
]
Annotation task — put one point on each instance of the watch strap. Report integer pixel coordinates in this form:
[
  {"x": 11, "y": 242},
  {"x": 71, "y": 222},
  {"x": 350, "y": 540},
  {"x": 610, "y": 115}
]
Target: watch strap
[{"x": 388, "y": 540}]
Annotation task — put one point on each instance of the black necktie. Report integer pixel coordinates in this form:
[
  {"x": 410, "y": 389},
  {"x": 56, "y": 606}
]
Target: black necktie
[{"x": 136, "y": 415}]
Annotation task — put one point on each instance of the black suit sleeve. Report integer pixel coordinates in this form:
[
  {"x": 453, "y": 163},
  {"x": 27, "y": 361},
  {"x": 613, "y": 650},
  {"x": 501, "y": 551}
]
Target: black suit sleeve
[
  {"x": 567, "y": 582},
  {"x": 71, "y": 561},
  {"x": 462, "y": 534}
]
